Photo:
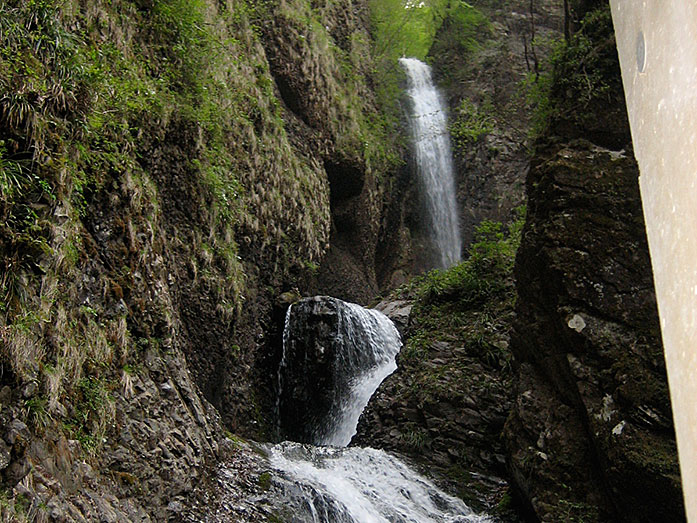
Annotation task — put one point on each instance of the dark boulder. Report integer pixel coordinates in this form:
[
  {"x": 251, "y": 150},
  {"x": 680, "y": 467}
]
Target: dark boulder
[{"x": 329, "y": 345}]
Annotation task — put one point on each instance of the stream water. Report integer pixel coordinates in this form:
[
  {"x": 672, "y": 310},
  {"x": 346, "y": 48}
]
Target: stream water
[
  {"x": 328, "y": 482},
  {"x": 434, "y": 164}
]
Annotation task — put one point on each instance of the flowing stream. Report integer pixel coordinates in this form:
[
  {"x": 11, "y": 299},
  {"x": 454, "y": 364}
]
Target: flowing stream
[
  {"x": 434, "y": 164},
  {"x": 328, "y": 482}
]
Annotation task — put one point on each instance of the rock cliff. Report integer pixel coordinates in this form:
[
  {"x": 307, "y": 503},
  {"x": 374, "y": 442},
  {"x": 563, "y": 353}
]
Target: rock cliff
[
  {"x": 168, "y": 169},
  {"x": 174, "y": 173},
  {"x": 590, "y": 435},
  {"x": 485, "y": 59}
]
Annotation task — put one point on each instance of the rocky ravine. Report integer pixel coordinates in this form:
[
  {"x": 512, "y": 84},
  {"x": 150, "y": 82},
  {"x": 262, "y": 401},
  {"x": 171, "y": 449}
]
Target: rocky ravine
[
  {"x": 174, "y": 167},
  {"x": 590, "y": 436},
  {"x": 589, "y": 431}
]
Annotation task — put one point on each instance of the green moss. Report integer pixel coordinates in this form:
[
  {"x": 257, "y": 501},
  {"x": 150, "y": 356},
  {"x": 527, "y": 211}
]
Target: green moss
[
  {"x": 264, "y": 480},
  {"x": 468, "y": 124}
]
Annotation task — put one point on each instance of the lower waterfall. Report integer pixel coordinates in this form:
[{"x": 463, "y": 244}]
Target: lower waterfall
[
  {"x": 362, "y": 485},
  {"x": 331, "y": 343}
]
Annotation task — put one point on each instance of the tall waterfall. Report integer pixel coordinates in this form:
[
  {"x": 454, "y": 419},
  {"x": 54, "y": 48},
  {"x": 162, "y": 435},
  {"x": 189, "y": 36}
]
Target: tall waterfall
[
  {"x": 335, "y": 355},
  {"x": 434, "y": 162}
]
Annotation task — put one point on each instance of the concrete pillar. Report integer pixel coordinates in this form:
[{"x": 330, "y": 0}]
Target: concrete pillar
[{"x": 657, "y": 44}]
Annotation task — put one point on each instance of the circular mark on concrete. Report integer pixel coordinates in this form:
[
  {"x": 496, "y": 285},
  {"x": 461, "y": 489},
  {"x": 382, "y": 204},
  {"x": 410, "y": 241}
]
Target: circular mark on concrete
[{"x": 641, "y": 52}]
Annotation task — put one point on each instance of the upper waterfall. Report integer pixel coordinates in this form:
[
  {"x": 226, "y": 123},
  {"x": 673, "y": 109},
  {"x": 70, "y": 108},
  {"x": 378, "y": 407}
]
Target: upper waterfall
[{"x": 428, "y": 124}]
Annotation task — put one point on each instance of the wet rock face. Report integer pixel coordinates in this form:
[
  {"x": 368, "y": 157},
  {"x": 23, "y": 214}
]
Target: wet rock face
[
  {"x": 446, "y": 403},
  {"x": 307, "y": 367},
  {"x": 590, "y": 432},
  {"x": 335, "y": 354}
]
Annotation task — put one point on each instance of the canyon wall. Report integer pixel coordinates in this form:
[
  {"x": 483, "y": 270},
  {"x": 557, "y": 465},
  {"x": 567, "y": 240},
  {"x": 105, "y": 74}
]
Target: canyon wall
[{"x": 172, "y": 173}]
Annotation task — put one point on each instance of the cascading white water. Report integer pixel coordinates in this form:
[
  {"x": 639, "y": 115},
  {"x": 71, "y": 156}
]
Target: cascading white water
[
  {"x": 321, "y": 484},
  {"x": 434, "y": 162},
  {"x": 329, "y": 484},
  {"x": 358, "y": 355},
  {"x": 364, "y": 330},
  {"x": 279, "y": 374}
]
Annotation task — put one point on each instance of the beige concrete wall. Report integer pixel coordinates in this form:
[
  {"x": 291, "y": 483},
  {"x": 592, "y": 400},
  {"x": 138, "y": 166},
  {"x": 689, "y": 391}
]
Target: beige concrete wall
[{"x": 657, "y": 44}]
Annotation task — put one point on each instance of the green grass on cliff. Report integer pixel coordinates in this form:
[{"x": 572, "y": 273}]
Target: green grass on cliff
[
  {"x": 86, "y": 90},
  {"x": 135, "y": 135},
  {"x": 471, "y": 302}
]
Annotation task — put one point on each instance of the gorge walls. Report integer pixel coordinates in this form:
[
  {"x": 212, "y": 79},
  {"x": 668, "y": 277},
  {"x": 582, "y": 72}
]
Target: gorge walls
[
  {"x": 590, "y": 434},
  {"x": 571, "y": 360},
  {"x": 168, "y": 170}
]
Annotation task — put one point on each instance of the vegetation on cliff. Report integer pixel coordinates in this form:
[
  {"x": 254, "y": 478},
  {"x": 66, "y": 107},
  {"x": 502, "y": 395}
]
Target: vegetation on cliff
[
  {"x": 169, "y": 167},
  {"x": 447, "y": 402},
  {"x": 158, "y": 188}
]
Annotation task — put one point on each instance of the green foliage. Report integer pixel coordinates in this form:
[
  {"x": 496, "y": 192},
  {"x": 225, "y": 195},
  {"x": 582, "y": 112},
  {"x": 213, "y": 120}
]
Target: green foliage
[
  {"x": 92, "y": 413},
  {"x": 469, "y": 124},
  {"x": 400, "y": 28},
  {"x": 486, "y": 271},
  {"x": 464, "y": 31},
  {"x": 466, "y": 26},
  {"x": 536, "y": 90},
  {"x": 408, "y": 28},
  {"x": 578, "y": 73},
  {"x": 264, "y": 481},
  {"x": 404, "y": 28},
  {"x": 37, "y": 412}
]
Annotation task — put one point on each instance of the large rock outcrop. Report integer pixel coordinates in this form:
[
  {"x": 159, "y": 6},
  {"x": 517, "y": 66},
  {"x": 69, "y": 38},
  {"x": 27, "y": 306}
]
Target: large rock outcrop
[
  {"x": 590, "y": 435},
  {"x": 332, "y": 351}
]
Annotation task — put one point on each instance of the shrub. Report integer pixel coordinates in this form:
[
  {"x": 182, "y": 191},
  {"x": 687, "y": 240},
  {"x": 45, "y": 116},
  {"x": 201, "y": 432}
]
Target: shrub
[
  {"x": 487, "y": 270},
  {"x": 578, "y": 73},
  {"x": 469, "y": 124}
]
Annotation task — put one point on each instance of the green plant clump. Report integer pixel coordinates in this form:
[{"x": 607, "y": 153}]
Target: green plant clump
[
  {"x": 487, "y": 270},
  {"x": 470, "y": 303},
  {"x": 469, "y": 124},
  {"x": 580, "y": 72}
]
